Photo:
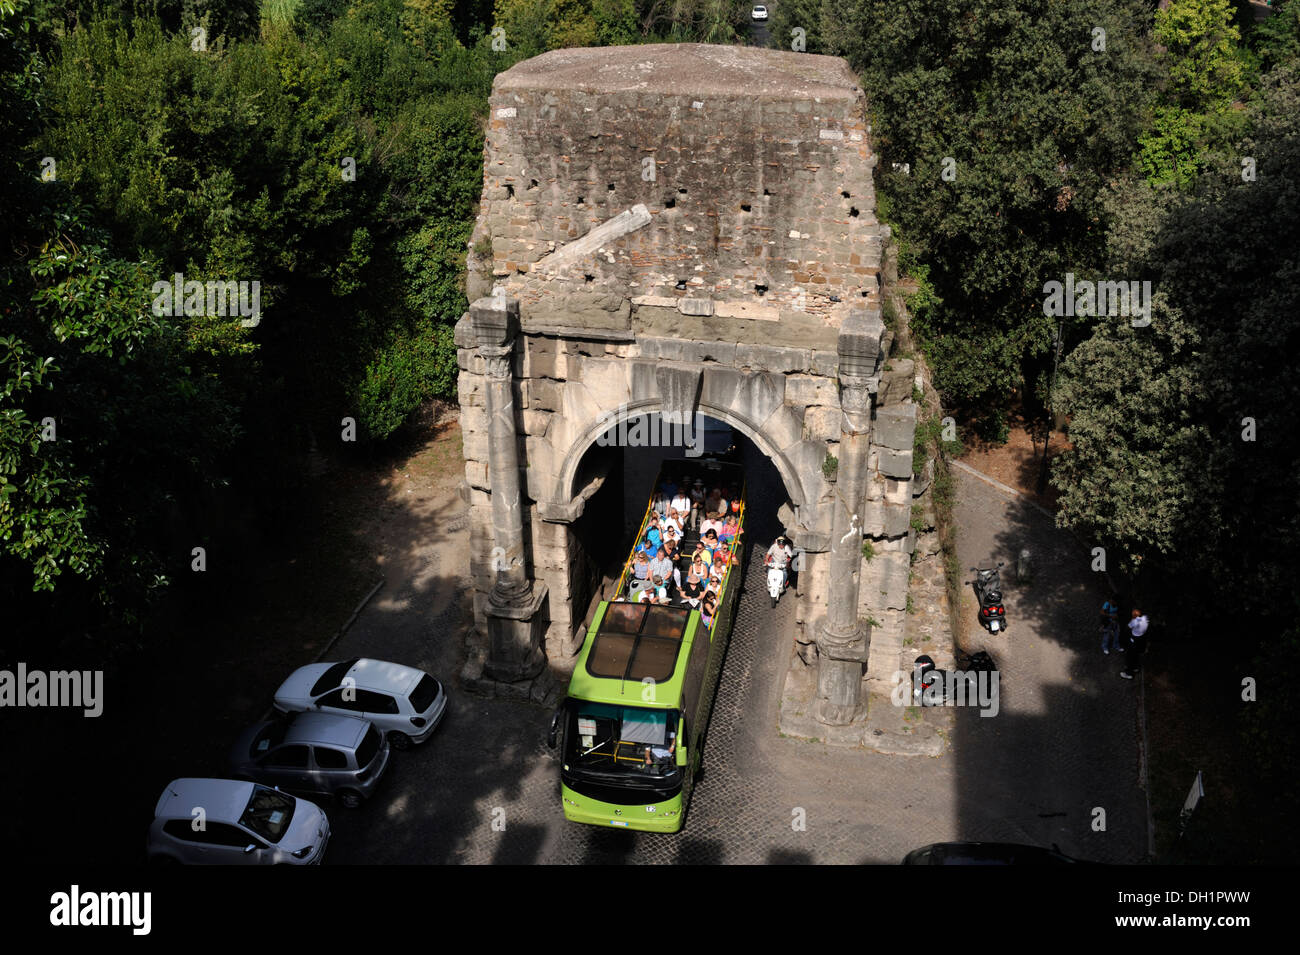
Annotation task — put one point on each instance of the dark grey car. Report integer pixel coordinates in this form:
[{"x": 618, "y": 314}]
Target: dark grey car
[{"x": 342, "y": 756}]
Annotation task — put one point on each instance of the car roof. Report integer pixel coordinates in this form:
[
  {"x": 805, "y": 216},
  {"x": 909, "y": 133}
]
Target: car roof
[
  {"x": 991, "y": 853},
  {"x": 223, "y": 800},
  {"x": 332, "y": 729},
  {"x": 385, "y": 677}
]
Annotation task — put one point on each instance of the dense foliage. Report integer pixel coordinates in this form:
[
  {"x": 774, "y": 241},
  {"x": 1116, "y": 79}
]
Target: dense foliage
[
  {"x": 1022, "y": 141},
  {"x": 1184, "y": 430},
  {"x": 327, "y": 153},
  {"x": 998, "y": 122},
  {"x": 334, "y": 160}
]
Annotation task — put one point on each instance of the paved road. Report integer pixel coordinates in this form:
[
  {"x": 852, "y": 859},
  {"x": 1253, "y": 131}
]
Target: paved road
[
  {"x": 485, "y": 788},
  {"x": 1066, "y": 742}
]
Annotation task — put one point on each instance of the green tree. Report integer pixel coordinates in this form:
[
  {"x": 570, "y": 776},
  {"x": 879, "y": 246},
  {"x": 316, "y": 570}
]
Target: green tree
[
  {"x": 1200, "y": 51},
  {"x": 1276, "y": 40},
  {"x": 1011, "y": 118},
  {"x": 1183, "y": 431},
  {"x": 1205, "y": 72},
  {"x": 528, "y": 24},
  {"x": 615, "y": 22},
  {"x": 805, "y": 15}
]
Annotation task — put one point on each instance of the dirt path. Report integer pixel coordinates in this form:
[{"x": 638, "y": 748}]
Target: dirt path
[
  {"x": 412, "y": 530},
  {"x": 1017, "y": 463}
]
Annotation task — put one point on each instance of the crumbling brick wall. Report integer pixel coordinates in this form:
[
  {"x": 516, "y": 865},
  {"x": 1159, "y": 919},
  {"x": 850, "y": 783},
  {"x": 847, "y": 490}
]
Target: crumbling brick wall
[{"x": 754, "y": 166}]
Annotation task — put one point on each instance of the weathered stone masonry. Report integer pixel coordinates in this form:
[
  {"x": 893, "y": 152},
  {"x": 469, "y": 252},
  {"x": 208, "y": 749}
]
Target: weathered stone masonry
[{"x": 681, "y": 228}]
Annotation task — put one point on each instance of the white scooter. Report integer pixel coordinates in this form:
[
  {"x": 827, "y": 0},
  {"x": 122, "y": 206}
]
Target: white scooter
[{"x": 775, "y": 581}]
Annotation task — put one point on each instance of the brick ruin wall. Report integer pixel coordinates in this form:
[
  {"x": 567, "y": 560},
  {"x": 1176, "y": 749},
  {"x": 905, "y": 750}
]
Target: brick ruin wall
[{"x": 758, "y": 203}]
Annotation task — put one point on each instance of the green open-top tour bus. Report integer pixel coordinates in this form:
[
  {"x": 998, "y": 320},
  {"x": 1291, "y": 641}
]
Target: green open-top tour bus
[{"x": 632, "y": 726}]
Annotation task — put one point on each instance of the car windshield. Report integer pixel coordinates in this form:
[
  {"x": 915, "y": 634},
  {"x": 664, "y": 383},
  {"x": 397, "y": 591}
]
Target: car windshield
[
  {"x": 272, "y": 735},
  {"x": 332, "y": 677},
  {"x": 423, "y": 695},
  {"x": 268, "y": 813},
  {"x": 627, "y": 740}
]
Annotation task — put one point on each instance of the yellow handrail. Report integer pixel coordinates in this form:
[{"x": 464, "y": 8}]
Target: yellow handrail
[{"x": 639, "y": 534}]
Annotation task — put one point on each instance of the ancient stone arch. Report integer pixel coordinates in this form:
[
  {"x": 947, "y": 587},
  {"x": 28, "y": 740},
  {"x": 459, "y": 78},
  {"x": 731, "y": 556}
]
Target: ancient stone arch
[{"x": 683, "y": 229}]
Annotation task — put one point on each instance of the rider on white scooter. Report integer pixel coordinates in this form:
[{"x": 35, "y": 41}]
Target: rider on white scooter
[{"x": 779, "y": 556}]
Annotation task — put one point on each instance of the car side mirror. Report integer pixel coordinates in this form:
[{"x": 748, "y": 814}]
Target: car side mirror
[{"x": 553, "y": 735}]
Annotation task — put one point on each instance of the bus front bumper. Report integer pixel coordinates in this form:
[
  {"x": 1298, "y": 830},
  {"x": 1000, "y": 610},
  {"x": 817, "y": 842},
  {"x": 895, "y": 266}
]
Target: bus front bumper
[{"x": 652, "y": 817}]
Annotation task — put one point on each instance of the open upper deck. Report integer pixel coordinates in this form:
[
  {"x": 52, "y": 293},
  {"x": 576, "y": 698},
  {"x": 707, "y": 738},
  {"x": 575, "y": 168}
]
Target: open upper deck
[{"x": 631, "y": 643}]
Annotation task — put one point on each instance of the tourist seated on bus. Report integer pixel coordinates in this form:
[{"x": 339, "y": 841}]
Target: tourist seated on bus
[
  {"x": 698, "y": 568},
  {"x": 656, "y": 593},
  {"x": 663, "y": 498},
  {"x": 693, "y": 590},
  {"x": 711, "y": 543},
  {"x": 709, "y": 607},
  {"x": 697, "y": 502},
  {"x": 671, "y": 548},
  {"x": 675, "y": 520},
  {"x": 640, "y": 576},
  {"x": 661, "y": 566},
  {"x": 712, "y": 522},
  {"x": 654, "y": 536},
  {"x": 702, "y": 554},
  {"x": 715, "y": 502},
  {"x": 681, "y": 503},
  {"x": 730, "y": 529}
]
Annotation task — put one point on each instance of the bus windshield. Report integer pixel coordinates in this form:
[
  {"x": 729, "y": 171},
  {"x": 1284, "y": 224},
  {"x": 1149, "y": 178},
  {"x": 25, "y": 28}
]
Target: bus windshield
[{"x": 628, "y": 741}]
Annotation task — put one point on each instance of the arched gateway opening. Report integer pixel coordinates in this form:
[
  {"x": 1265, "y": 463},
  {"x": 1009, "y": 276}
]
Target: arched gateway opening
[
  {"x": 623, "y": 462},
  {"x": 666, "y": 296}
]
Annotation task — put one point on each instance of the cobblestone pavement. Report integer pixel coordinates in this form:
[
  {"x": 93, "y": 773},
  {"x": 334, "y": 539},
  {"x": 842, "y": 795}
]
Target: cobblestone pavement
[
  {"x": 1061, "y": 758},
  {"x": 485, "y": 789}
]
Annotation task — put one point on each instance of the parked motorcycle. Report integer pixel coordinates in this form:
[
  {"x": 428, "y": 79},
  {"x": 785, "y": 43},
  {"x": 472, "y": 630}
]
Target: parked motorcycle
[
  {"x": 923, "y": 678},
  {"x": 930, "y": 685},
  {"x": 988, "y": 591}
]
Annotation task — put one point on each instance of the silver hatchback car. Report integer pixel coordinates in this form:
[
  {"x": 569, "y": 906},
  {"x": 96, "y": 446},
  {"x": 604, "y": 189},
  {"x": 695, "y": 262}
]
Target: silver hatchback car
[
  {"x": 235, "y": 822},
  {"x": 341, "y": 756}
]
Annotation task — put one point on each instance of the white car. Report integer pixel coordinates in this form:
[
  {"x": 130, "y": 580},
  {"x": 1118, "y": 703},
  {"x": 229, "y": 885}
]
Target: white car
[
  {"x": 759, "y": 13},
  {"x": 405, "y": 703},
  {"x": 229, "y": 822}
]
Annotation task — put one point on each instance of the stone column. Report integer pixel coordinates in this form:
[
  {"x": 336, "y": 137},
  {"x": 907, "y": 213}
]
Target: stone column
[
  {"x": 843, "y": 642},
  {"x": 515, "y": 619}
]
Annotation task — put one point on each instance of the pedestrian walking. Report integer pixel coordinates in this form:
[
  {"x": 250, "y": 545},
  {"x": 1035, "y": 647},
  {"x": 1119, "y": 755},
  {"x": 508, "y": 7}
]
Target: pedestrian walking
[
  {"x": 1109, "y": 626},
  {"x": 1137, "y": 644}
]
